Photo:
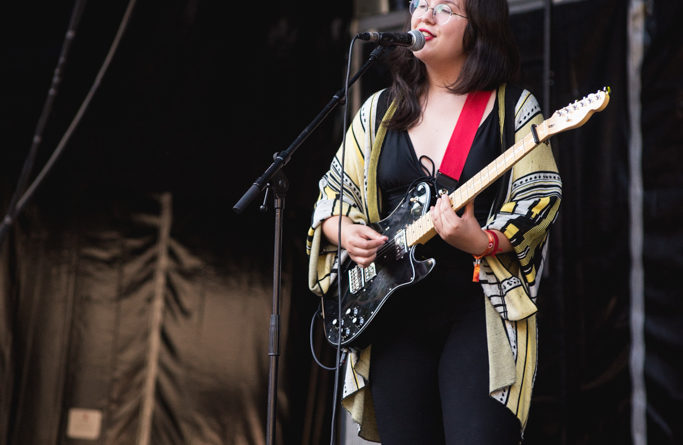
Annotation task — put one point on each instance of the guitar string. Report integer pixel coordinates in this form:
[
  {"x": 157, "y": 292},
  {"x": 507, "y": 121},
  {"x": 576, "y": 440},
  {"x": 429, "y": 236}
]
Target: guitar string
[{"x": 389, "y": 244}]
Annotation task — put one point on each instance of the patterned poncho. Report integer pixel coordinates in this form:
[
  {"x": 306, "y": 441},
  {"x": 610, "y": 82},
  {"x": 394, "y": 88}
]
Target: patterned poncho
[{"x": 509, "y": 281}]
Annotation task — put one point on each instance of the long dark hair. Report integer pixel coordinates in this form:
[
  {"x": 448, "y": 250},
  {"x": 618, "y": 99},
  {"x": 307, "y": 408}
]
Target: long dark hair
[{"x": 492, "y": 59}]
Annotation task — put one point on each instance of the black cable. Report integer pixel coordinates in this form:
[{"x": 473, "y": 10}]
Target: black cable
[
  {"x": 339, "y": 248},
  {"x": 16, "y": 209},
  {"x": 76, "y": 15},
  {"x": 28, "y": 165},
  {"x": 310, "y": 340}
]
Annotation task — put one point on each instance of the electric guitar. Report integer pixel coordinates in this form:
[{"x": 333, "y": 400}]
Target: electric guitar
[{"x": 365, "y": 290}]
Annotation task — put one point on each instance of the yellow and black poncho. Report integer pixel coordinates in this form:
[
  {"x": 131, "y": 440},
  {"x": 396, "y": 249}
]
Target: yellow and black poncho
[{"x": 509, "y": 281}]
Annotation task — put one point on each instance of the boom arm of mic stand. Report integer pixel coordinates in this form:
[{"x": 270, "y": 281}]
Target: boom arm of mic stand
[{"x": 282, "y": 158}]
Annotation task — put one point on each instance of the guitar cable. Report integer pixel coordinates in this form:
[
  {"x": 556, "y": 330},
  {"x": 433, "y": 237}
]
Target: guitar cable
[
  {"x": 338, "y": 360},
  {"x": 310, "y": 342},
  {"x": 341, "y": 355}
]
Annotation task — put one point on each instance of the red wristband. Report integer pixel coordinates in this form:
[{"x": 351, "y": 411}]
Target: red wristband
[
  {"x": 495, "y": 245},
  {"x": 491, "y": 249},
  {"x": 492, "y": 245}
]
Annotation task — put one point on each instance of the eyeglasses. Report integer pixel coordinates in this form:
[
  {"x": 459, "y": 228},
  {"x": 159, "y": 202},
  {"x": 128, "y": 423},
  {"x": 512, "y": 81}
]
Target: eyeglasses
[{"x": 441, "y": 13}]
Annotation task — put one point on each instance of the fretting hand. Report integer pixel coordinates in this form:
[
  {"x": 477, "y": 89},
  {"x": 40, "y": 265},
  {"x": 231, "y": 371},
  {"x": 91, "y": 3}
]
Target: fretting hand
[{"x": 462, "y": 232}]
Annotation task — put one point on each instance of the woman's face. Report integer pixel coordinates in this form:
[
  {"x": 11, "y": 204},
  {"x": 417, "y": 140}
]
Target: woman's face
[{"x": 443, "y": 35}]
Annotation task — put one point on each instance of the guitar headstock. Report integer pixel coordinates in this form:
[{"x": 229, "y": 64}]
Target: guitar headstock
[{"x": 577, "y": 113}]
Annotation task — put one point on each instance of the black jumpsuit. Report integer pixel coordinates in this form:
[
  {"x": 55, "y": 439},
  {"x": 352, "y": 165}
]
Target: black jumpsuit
[{"x": 429, "y": 366}]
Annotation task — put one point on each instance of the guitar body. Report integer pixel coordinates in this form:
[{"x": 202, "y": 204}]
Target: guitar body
[{"x": 365, "y": 291}]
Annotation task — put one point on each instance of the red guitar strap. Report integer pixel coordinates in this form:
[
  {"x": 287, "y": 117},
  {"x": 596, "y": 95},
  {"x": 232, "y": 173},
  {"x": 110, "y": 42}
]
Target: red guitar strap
[{"x": 463, "y": 134}]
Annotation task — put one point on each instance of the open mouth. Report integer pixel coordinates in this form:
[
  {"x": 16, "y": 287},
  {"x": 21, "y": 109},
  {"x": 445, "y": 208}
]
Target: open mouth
[{"x": 428, "y": 35}]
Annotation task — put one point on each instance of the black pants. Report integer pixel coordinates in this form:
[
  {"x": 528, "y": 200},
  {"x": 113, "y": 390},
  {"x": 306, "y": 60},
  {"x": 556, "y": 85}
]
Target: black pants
[{"x": 429, "y": 371}]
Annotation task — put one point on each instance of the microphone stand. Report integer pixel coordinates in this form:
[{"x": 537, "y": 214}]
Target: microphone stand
[{"x": 274, "y": 179}]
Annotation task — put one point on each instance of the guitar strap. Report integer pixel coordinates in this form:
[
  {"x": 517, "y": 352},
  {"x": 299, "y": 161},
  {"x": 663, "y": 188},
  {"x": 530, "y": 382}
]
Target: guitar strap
[{"x": 461, "y": 140}]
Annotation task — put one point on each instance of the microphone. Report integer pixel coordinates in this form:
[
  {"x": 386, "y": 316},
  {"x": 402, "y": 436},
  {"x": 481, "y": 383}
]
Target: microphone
[{"x": 414, "y": 39}]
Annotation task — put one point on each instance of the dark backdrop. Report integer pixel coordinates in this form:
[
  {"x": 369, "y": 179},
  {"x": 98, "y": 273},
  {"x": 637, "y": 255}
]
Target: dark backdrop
[{"x": 135, "y": 221}]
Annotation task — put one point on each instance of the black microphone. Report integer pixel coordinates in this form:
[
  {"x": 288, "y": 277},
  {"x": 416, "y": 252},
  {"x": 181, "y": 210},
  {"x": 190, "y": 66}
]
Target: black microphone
[{"x": 414, "y": 39}]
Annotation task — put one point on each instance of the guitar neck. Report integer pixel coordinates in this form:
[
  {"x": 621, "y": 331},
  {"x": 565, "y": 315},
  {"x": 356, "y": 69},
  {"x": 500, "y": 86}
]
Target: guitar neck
[
  {"x": 422, "y": 230},
  {"x": 572, "y": 116}
]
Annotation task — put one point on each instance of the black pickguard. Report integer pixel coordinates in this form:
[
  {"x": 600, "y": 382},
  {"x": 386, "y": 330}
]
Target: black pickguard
[{"x": 365, "y": 291}]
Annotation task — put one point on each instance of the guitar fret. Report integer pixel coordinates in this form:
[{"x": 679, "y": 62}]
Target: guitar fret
[
  {"x": 420, "y": 230},
  {"x": 477, "y": 179},
  {"x": 457, "y": 197},
  {"x": 518, "y": 149}
]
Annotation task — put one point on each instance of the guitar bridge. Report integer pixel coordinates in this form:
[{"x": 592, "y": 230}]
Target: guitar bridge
[{"x": 358, "y": 276}]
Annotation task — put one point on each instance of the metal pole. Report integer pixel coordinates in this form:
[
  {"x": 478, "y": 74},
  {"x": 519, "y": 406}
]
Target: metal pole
[
  {"x": 279, "y": 189},
  {"x": 635, "y": 27},
  {"x": 547, "y": 73}
]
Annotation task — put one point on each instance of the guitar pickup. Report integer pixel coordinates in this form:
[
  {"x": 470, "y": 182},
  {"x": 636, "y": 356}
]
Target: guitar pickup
[
  {"x": 369, "y": 272},
  {"x": 358, "y": 276}
]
